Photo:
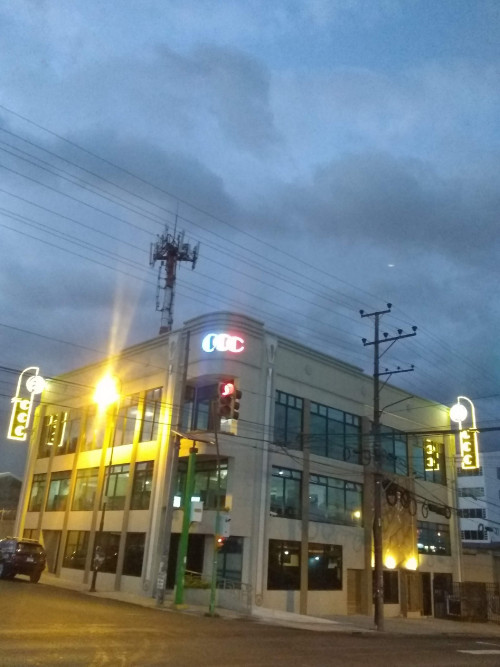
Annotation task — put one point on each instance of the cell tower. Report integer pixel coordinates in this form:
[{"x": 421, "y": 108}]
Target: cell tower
[{"x": 169, "y": 249}]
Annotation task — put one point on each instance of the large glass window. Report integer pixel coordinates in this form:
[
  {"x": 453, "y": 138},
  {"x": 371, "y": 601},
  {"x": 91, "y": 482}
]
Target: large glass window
[
  {"x": 58, "y": 491},
  {"x": 229, "y": 562},
  {"x": 151, "y": 415},
  {"x": 134, "y": 554},
  {"x": 117, "y": 477},
  {"x": 143, "y": 482},
  {"x": 37, "y": 492},
  {"x": 433, "y": 538},
  {"x": 394, "y": 450},
  {"x": 288, "y": 420},
  {"x": 125, "y": 420},
  {"x": 75, "y": 551},
  {"x": 198, "y": 409},
  {"x": 286, "y": 492},
  {"x": 333, "y": 500},
  {"x": 110, "y": 543},
  {"x": 334, "y": 433},
  {"x": 89, "y": 431},
  {"x": 324, "y": 566},
  {"x": 85, "y": 489},
  {"x": 420, "y": 456},
  {"x": 205, "y": 482},
  {"x": 70, "y": 430},
  {"x": 47, "y": 436}
]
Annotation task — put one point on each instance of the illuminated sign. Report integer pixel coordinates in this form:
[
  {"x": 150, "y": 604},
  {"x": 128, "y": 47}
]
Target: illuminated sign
[
  {"x": 431, "y": 455},
  {"x": 468, "y": 449},
  {"x": 222, "y": 342},
  {"x": 23, "y": 402}
]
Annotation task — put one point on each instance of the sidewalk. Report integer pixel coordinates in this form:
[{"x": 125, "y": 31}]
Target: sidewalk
[{"x": 334, "y": 623}]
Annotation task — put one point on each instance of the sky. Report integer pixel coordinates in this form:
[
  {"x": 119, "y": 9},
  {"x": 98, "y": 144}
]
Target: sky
[{"x": 328, "y": 155}]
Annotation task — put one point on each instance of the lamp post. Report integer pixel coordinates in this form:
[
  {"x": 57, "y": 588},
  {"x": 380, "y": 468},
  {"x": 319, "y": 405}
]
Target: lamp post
[{"x": 106, "y": 394}]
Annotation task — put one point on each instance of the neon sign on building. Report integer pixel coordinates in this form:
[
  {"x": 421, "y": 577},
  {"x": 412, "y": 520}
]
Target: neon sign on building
[
  {"x": 222, "y": 342},
  {"x": 23, "y": 402}
]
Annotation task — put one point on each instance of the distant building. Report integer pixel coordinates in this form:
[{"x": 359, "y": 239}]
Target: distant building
[
  {"x": 478, "y": 492},
  {"x": 294, "y": 474}
]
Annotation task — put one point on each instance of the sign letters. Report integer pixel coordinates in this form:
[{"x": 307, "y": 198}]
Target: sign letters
[
  {"x": 22, "y": 404},
  {"x": 222, "y": 342},
  {"x": 468, "y": 449}
]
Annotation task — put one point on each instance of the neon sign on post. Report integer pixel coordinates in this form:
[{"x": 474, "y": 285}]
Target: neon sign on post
[{"x": 222, "y": 342}]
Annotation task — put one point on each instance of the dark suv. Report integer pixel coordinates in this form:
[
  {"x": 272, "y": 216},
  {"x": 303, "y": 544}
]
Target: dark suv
[{"x": 21, "y": 556}]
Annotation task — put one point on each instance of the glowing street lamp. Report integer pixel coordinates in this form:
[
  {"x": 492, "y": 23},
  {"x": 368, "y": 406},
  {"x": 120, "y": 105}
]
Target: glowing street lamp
[{"x": 106, "y": 394}]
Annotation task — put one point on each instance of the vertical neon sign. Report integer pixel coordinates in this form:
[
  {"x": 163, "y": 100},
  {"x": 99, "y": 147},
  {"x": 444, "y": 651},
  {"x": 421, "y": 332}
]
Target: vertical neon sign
[{"x": 22, "y": 402}]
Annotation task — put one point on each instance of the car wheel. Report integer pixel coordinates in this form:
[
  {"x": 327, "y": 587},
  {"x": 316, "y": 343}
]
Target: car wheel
[{"x": 35, "y": 577}]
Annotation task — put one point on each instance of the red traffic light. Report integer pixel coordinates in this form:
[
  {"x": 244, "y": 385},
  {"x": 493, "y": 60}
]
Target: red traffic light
[{"x": 226, "y": 389}]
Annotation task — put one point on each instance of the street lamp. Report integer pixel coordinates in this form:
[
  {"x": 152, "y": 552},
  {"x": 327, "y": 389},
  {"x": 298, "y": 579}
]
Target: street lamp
[{"x": 106, "y": 394}]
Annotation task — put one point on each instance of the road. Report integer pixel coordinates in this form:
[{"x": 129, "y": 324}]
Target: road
[{"x": 43, "y": 625}]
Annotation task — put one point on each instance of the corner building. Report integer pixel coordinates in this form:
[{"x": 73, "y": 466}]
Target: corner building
[{"x": 296, "y": 476}]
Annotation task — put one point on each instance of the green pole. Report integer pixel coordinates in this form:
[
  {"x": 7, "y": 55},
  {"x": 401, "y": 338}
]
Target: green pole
[
  {"x": 213, "y": 582},
  {"x": 186, "y": 520}
]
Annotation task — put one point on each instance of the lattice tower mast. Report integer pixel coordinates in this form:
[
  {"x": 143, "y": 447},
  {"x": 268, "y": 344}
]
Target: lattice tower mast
[{"x": 169, "y": 250}]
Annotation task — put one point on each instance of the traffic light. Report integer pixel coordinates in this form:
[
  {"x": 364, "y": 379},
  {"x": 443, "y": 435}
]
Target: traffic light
[
  {"x": 220, "y": 541},
  {"x": 235, "y": 412},
  {"x": 226, "y": 392},
  {"x": 229, "y": 400}
]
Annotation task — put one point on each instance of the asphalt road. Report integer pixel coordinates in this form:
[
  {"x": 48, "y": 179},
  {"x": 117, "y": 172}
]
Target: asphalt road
[{"x": 42, "y": 625}]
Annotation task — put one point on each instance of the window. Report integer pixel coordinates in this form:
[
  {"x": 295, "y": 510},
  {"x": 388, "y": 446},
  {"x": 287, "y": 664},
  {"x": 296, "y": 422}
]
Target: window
[
  {"x": 198, "y": 410},
  {"x": 288, "y": 420},
  {"x": 134, "y": 554},
  {"x": 143, "y": 481},
  {"x": 286, "y": 492},
  {"x": 418, "y": 462},
  {"x": 324, "y": 566},
  {"x": 75, "y": 552},
  {"x": 85, "y": 489},
  {"x": 205, "y": 482},
  {"x": 471, "y": 492},
  {"x": 394, "y": 450},
  {"x": 70, "y": 432},
  {"x": 229, "y": 562},
  {"x": 333, "y": 500},
  {"x": 110, "y": 543},
  {"x": 334, "y": 433},
  {"x": 433, "y": 538},
  {"x": 472, "y": 513},
  {"x": 58, "y": 491},
  {"x": 151, "y": 415},
  {"x": 391, "y": 586},
  {"x": 116, "y": 486},
  {"x": 470, "y": 472},
  {"x": 125, "y": 421},
  {"x": 479, "y": 535},
  {"x": 37, "y": 492},
  {"x": 89, "y": 431},
  {"x": 47, "y": 436}
]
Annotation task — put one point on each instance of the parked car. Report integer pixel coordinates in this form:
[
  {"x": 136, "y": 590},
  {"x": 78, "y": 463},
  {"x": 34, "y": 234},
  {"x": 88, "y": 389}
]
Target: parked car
[{"x": 21, "y": 556}]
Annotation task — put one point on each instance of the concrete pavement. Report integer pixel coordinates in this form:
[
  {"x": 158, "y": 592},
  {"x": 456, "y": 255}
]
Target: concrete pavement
[{"x": 334, "y": 623}]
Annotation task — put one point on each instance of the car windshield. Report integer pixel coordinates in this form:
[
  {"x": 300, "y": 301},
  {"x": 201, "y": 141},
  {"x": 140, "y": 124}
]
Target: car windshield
[{"x": 26, "y": 548}]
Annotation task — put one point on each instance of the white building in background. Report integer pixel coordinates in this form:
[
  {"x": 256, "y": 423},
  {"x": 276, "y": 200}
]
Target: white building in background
[
  {"x": 478, "y": 492},
  {"x": 296, "y": 470}
]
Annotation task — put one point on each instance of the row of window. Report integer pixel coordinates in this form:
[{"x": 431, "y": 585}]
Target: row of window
[
  {"x": 84, "y": 496},
  {"x": 63, "y": 431},
  {"x": 324, "y": 566},
  {"x": 472, "y": 513},
  {"x": 337, "y": 434},
  {"x": 331, "y": 500},
  {"x": 474, "y": 535},
  {"x": 77, "y": 544},
  {"x": 471, "y": 491},
  {"x": 470, "y": 472}
]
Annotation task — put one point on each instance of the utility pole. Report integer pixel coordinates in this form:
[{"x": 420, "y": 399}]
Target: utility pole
[
  {"x": 169, "y": 250},
  {"x": 377, "y": 455}
]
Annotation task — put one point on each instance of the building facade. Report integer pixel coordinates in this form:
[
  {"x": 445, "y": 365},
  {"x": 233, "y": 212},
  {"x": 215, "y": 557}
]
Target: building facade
[
  {"x": 293, "y": 476},
  {"x": 479, "y": 500}
]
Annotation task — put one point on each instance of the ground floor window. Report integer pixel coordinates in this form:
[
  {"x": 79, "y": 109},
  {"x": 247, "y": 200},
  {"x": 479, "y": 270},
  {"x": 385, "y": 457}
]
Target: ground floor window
[
  {"x": 110, "y": 543},
  {"x": 229, "y": 562},
  {"x": 391, "y": 587},
  {"x": 75, "y": 551},
  {"x": 284, "y": 565},
  {"x": 134, "y": 554}
]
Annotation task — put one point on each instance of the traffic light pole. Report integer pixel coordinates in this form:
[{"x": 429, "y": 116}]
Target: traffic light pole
[
  {"x": 377, "y": 456},
  {"x": 213, "y": 581}
]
